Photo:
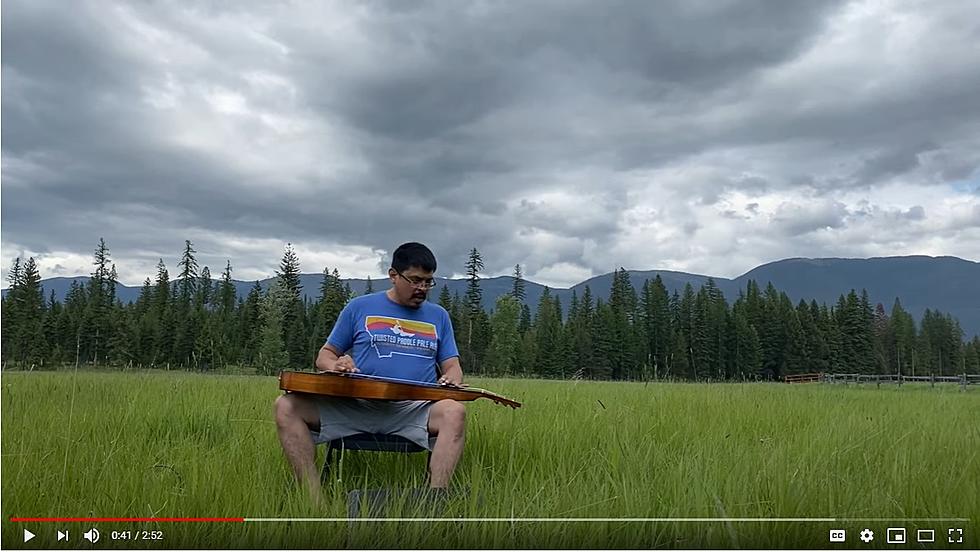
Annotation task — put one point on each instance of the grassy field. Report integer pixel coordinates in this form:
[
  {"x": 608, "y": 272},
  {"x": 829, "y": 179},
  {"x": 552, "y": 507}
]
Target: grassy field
[{"x": 161, "y": 444}]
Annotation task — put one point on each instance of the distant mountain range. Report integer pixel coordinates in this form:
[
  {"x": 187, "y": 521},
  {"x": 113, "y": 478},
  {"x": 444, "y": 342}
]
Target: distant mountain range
[{"x": 947, "y": 284}]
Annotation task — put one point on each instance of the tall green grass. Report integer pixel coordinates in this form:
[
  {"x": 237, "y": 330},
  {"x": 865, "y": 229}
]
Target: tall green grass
[{"x": 188, "y": 445}]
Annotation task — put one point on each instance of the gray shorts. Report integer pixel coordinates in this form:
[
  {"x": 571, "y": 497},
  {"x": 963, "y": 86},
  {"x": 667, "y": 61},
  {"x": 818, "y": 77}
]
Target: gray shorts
[{"x": 341, "y": 416}]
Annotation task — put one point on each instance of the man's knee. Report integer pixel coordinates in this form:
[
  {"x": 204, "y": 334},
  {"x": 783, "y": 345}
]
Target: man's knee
[
  {"x": 289, "y": 408},
  {"x": 284, "y": 409},
  {"x": 452, "y": 417}
]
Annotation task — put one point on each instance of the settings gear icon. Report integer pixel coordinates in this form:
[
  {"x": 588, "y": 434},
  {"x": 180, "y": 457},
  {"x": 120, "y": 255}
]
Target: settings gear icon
[{"x": 867, "y": 535}]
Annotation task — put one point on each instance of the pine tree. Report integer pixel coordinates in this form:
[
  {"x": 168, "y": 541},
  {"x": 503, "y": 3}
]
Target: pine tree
[
  {"x": 881, "y": 340},
  {"x": 797, "y": 352},
  {"x": 547, "y": 325},
  {"x": 31, "y": 343},
  {"x": 524, "y": 324},
  {"x": 685, "y": 321},
  {"x": 124, "y": 336},
  {"x": 475, "y": 338},
  {"x": 293, "y": 324},
  {"x": 162, "y": 317},
  {"x": 188, "y": 273},
  {"x": 903, "y": 335},
  {"x": 12, "y": 312},
  {"x": 865, "y": 338},
  {"x": 272, "y": 355},
  {"x": 830, "y": 327},
  {"x": 715, "y": 319},
  {"x": 527, "y": 353},
  {"x": 445, "y": 300},
  {"x": 95, "y": 327},
  {"x": 816, "y": 337},
  {"x": 622, "y": 340},
  {"x": 289, "y": 273},
  {"x": 457, "y": 315},
  {"x": 223, "y": 329},
  {"x": 73, "y": 317},
  {"x": 250, "y": 324},
  {"x": 603, "y": 341},
  {"x": 145, "y": 323},
  {"x": 204, "y": 352},
  {"x": 226, "y": 294},
  {"x": 773, "y": 329},
  {"x": 971, "y": 357},
  {"x": 657, "y": 328},
  {"x": 580, "y": 332},
  {"x": 678, "y": 363},
  {"x": 505, "y": 342},
  {"x": 745, "y": 348},
  {"x": 204, "y": 293},
  {"x": 111, "y": 283},
  {"x": 54, "y": 334},
  {"x": 518, "y": 291},
  {"x": 333, "y": 299},
  {"x": 182, "y": 311}
]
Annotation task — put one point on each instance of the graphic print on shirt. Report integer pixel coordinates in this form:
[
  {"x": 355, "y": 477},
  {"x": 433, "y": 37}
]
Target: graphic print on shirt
[{"x": 394, "y": 336}]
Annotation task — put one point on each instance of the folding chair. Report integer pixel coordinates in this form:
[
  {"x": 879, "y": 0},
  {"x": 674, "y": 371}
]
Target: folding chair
[{"x": 378, "y": 442}]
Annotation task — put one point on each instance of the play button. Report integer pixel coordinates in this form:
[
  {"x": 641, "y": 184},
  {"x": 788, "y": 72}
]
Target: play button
[{"x": 28, "y": 535}]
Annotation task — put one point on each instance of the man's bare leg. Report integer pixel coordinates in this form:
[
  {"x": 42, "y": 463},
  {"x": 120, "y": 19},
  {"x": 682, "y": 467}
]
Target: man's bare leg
[
  {"x": 296, "y": 416},
  {"x": 447, "y": 421}
]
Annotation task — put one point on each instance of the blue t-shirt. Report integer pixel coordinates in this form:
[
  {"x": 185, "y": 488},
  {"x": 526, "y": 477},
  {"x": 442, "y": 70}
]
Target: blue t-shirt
[{"x": 393, "y": 340}]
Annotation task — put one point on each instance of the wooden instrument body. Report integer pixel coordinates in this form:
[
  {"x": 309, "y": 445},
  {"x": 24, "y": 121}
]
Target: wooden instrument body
[{"x": 336, "y": 384}]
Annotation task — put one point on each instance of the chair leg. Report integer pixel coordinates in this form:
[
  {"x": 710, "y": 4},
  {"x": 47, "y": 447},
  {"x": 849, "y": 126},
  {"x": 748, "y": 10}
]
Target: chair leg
[
  {"x": 428, "y": 469},
  {"x": 325, "y": 472}
]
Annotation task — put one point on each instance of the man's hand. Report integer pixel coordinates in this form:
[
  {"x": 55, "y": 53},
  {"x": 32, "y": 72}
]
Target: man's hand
[
  {"x": 455, "y": 380},
  {"x": 345, "y": 364},
  {"x": 451, "y": 372},
  {"x": 330, "y": 360}
]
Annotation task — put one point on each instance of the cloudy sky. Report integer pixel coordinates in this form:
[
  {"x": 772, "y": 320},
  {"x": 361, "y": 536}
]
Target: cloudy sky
[{"x": 570, "y": 137}]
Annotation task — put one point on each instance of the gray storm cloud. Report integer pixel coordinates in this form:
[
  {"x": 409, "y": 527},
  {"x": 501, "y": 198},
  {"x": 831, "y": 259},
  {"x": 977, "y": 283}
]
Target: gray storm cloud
[{"x": 566, "y": 136}]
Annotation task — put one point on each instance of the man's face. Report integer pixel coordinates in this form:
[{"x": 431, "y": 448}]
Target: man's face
[{"x": 411, "y": 285}]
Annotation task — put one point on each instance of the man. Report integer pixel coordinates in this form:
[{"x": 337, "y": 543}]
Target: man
[{"x": 394, "y": 333}]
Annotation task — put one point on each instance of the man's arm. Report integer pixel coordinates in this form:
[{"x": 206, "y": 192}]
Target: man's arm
[
  {"x": 452, "y": 372},
  {"x": 330, "y": 360}
]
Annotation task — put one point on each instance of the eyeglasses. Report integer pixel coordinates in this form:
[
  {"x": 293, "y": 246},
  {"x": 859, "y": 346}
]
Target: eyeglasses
[{"x": 421, "y": 284}]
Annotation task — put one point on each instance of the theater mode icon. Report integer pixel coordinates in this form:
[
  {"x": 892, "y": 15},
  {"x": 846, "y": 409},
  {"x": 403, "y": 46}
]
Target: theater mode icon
[
  {"x": 837, "y": 535},
  {"x": 925, "y": 535}
]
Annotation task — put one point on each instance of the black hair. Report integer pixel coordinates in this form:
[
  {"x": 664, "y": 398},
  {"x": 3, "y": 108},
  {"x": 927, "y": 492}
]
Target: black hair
[{"x": 413, "y": 254}]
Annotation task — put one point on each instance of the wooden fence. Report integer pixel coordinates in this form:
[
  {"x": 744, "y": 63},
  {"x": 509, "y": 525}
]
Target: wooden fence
[
  {"x": 898, "y": 379},
  {"x": 803, "y": 378}
]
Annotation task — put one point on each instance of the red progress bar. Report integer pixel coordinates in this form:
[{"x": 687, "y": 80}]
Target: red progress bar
[{"x": 125, "y": 519}]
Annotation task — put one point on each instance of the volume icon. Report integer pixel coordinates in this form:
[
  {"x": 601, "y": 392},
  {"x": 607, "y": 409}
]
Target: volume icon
[{"x": 92, "y": 535}]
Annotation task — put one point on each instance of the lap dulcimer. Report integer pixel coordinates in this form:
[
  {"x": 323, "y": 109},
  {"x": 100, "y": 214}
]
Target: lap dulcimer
[{"x": 362, "y": 386}]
